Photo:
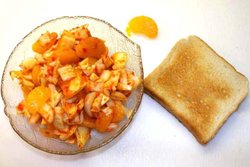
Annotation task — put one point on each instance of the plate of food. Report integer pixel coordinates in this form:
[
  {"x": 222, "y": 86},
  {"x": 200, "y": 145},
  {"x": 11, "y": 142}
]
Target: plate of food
[{"x": 72, "y": 85}]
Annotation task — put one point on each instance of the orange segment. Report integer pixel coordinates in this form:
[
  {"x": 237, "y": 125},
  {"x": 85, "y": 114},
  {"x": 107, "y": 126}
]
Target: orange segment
[
  {"x": 66, "y": 56},
  {"x": 90, "y": 47},
  {"x": 118, "y": 113},
  {"x": 142, "y": 25},
  {"x": 103, "y": 120},
  {"x": 37, "y": 98}
]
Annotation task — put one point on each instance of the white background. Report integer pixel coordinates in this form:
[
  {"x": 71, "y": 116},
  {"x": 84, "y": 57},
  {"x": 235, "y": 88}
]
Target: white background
[{"x": 155, "y": 137}]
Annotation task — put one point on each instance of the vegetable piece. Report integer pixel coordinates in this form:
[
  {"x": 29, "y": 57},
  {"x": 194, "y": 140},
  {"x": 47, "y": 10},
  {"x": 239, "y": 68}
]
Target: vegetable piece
[
  {"x": 93, "y": 77},
  {"x": 67, "y": 72},
  {"x": 27, "y": 83},
  {"x": 120, "y": 59},
  {"x": 96, "y": 106},
  {"x": 72, "y": 87},
  {"x": 105, "y": 99},
  {"x": 48, "y": 130},
  {"x": 80, "y": 104},
  {"x": 88, "y": 121},
  {"x": 68, "y": 134},
  {"x": 76, "y": 120},
  {"x": 34, "y": 118},
  {"x": 82, "y": 136},
  {"x": 105, "y": 75},
  {"x": 71, "y": 140},
  {"x": 94, "y": 86},
  {"x": 28, "y": 63},
  {"x": 44, "y": 42},
  {"x": 39, "y": 58},
  {"x": 125, "y": 87},
  {"x": 99, "y": 67},
  {"x": 133, "y": 80},
  {"x": 87, "y": 62},
  {"x": 26, "y": 90},
  {"x": 16, "y": 74},
  {"x": 67, "y": 40},
  {"x": 58, "y": 120},
  {"x": 108, "y": 61},
  {"x": 36, "y": 72},
  {"x": 55, "y": 96},
  {"x": 90, "y": 47},
  {"x": 81, "y": 32},
  {"x": 69, "y": 108},
  {"x": 112, "y": 83},
  {"x": 89, "y": 99},
  {"x": 20, "y": 107},
  {"x": 77, "y": 84},
  {"x": 118, "y": 96},
  {"x": 124, "y": 77},
  {"x": 47, "y": 113},
  {"x": 112, "y": 126}
]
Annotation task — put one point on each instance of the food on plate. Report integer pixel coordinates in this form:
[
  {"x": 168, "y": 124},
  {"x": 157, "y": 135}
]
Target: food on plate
[
  {"x": 72, "y": 85},
  {"x": 199, "y": 87},
  {"x": 142, "y": 25}
]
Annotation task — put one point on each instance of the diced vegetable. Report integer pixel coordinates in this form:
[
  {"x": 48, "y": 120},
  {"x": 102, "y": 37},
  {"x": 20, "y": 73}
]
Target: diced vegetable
[
  {"x": 105, "y": 75},
  {"x": 82, "y": 136},
  {"x": 47, "y": 113},
  {"x": 89, "y": 99},
  {"x": 67, "y": 72},
  {"x": 58, "y": 122},
  {"x": 44, "y": 42},
  {"x": 28, "y": 63},
  {"x": 36, "y": 75},
  {"x": 96, "y": 106},
  {"x": 16, "y": 74},
  {"x": 87, "y": 62},
  {"x": 55, "y": 96},
  {"x": 34, "y": 118},
  {"x": 88, "y": 121},
  {"x": 118, "y": 96},
  {"x": 67, "y": 40},
  {"x": 74, "y": 86},
  {"x": 120, "y": 59},
  {"x": 81, "y": 32},
  {"x": 70, "y": 109},
  {"x": 27, "y": 83},
  {"x": 68, "y": 134}
]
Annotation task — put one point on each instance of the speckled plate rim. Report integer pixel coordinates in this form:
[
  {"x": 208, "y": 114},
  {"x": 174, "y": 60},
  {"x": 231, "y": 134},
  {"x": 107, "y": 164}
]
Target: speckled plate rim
[{"x": 104, "y": 142}]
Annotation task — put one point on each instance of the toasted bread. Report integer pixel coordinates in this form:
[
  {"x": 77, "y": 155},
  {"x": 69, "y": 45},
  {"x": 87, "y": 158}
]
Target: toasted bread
[{"x": 199, "y": 87}]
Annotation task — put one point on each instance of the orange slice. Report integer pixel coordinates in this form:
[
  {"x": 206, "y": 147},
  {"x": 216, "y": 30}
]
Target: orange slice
[{"x": 142, "y": 25}]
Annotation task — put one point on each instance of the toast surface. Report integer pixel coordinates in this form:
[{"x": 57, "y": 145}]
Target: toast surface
[{"x": 198, "y": 87}]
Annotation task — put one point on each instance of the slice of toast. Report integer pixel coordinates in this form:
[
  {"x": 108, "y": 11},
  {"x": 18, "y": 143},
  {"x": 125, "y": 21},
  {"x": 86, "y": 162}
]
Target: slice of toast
[{"x": 196, "y": 85}]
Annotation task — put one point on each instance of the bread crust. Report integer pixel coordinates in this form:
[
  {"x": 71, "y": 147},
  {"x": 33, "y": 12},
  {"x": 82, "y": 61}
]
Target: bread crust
[{"x": 199, "y": 87}]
